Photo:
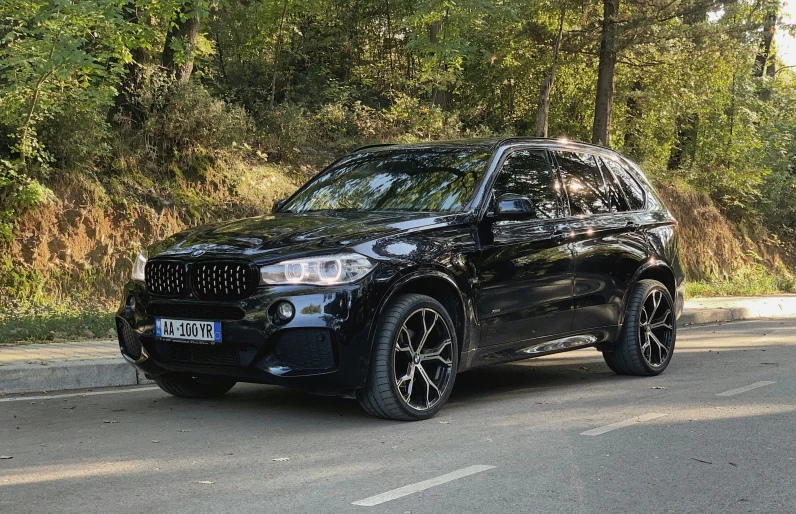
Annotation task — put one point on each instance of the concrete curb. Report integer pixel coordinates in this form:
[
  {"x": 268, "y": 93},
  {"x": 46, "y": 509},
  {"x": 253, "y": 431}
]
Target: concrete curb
[
  {"x": 63, "y": 375},
  {"x": 744, "y": 309}
]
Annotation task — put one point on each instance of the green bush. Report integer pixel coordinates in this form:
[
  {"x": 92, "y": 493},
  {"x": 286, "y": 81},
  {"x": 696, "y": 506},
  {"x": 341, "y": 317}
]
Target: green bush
[{"x": 18, "y": 193}]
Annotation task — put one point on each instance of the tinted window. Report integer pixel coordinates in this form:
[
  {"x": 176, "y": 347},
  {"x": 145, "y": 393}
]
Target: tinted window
[
  {"x": 633, "y": 190},
  {"x": 529, "y": 174},
  {"x": 433, "y": 180},
  {"x": 584, "y": 183},
  {"x": 615, "y": 195}
]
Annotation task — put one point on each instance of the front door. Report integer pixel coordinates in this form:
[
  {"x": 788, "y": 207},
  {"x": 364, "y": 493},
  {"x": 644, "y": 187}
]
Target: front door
[{"x": 526, "y": 271}]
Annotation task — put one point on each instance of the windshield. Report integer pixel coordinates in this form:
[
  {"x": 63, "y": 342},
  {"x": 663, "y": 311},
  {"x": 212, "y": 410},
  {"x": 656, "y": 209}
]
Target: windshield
[{"x": 431, "y": 180}]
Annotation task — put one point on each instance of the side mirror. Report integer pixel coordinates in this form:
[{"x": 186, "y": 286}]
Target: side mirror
[
  {"x": 513, "y": 205},
  {"x": 278, "y": 205}
]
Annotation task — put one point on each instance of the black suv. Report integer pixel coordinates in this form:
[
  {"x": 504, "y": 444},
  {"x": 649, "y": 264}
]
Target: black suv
[{"x": 401, "y": 265}]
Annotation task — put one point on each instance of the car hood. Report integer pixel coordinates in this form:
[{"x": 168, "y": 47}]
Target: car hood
[{"x": 273, "y": 236}]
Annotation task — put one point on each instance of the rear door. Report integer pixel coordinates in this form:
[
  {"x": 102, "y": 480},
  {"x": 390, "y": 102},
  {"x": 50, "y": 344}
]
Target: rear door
[
  {"x": 607, "y": 247},
  {"x": 527, "y": 270}
]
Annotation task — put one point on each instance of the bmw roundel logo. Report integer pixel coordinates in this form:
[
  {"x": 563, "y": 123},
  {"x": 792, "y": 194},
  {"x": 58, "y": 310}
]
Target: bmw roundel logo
[{"x": 197, "y": 253}]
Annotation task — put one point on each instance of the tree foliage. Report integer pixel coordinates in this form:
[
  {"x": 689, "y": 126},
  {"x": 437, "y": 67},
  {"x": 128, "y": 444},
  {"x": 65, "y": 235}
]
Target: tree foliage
[{"x": 692, "y": 89}]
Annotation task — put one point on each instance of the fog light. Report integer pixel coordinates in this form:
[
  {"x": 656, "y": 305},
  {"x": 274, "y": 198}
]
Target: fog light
[{"x": 285, "y": 311}]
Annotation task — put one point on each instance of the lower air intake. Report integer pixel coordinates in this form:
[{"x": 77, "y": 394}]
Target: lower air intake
[
  {"x": 128, "y": 342},
  {"x": 305, "y": 348}
]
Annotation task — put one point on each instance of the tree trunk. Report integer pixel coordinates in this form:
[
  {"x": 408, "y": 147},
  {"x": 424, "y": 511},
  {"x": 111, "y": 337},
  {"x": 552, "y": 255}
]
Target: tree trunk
[
  {"x": 605, "y": 75},
  {"x": 764, "y": 65},
  {"x": 277, "y": 51},
  {"x": 687, "y": 125},
  {"x": 543, "y": 110},
  {"x": 180, "y": 47},
  {"x": 126, "y": 101},
  {"x": 632, "y": 141},
  {"x": 440, "y": 96}
]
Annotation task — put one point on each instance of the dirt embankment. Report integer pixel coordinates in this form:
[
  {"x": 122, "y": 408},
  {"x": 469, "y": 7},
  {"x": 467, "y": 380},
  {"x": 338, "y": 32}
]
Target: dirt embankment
[
  {"x": 80, "y": 245},
  {"x": 711, "y": 246}
]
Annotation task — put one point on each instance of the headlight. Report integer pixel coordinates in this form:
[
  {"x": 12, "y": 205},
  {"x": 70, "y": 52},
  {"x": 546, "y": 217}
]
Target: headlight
[
  {"x": 138, "y": 267},
  {"x": 327, "y": 270}
]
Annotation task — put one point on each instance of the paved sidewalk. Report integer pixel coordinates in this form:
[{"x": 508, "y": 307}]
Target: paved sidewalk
[
  {"x": 81, "y": 365},
  {"x": 712, "y": 310},
  {"x": 59, "y": 366}
]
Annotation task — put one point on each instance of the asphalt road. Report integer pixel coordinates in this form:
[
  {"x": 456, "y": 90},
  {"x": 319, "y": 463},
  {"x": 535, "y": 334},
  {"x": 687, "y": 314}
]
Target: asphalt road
[{"x": 558, "y": 434}]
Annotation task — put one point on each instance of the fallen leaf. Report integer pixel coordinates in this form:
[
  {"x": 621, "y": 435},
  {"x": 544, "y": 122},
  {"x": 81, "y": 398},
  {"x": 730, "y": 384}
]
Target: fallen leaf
[
  {"x": 183, "y": 430},
  {"x": 657, "y": 387},
  {"x": 230, "y": 453},
  {"x": 733, "y": 464},
  {"x": 5, "y": 457},
  {"x": 444, "y": 422},
  {"x": 281, "y": 459},
  {"x": 155, "y": 441},
  {"x": 207, "y": 482},
  {"x": 700, "y": 460},
  {"x": 70, "y": 407},
  {"x": 109, "y": 421}
]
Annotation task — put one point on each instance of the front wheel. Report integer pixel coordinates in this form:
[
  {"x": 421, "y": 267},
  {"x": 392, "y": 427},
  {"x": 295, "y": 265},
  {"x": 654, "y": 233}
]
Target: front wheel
[
  {"x": 185, "y": 386},
  {"x": 414, "y": 361},
  {"x": 646, "y": 342}
]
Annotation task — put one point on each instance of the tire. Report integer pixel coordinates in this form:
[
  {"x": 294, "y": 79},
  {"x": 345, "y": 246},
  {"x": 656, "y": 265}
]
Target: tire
[
  {"x": 636, "y": 352},
  {"x": 185, "y": 386},
  {"x": 394, "y": 353}
]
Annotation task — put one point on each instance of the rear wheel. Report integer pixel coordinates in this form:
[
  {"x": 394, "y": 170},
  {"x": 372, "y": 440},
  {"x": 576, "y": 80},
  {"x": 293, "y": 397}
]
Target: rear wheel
[
  {"x": 414, "y": 362},
  {"x": 186, "y": 386},
  {"x": 646, "y": 342}
]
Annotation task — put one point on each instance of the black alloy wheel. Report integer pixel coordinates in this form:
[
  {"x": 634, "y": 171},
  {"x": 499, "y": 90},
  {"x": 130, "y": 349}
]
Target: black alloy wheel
[
  {"x": 646, "y": 342},
  {"x": 414, "y": 360}
]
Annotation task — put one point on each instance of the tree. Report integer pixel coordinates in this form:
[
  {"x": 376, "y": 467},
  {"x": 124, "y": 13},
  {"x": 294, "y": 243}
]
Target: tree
[
  {"x": 604, "y": 99},
  {"x": 182, "y": 37},
  {"x": 543, "y": 110}
]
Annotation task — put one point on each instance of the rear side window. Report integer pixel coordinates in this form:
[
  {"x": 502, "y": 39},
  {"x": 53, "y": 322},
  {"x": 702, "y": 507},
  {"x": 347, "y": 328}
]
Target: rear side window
[
  {"x": 615, "y": 194},
  {"x": 528, "y": 173},
  {"x": 633, "y": 190},
  {"x": 584, "y": 183}
]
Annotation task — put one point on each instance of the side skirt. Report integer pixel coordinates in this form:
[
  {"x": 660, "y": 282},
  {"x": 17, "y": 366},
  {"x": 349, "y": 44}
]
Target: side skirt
[{"x": 527, "y": 349}]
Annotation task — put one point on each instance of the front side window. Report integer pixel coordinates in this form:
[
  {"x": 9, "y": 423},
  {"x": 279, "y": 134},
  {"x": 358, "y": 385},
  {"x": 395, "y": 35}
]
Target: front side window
[
  {"x": 528, "y": 173},
  {"x": 423, "y": 180},
  {"x": 584, "y": 183},
  {"x": 633, "y": 190}
]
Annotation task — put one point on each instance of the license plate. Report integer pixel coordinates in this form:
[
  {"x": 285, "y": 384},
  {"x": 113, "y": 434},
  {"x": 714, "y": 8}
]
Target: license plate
[{"x": 208, "y": 332}]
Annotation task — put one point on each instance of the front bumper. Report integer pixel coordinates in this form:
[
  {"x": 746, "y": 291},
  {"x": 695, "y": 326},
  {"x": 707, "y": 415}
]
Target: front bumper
[{"x": 325, "y": 347}]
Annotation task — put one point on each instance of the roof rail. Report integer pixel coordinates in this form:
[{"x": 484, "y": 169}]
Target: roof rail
[
  {"x": 552, "y": 139},
  {"x": 372, "y": 146}
]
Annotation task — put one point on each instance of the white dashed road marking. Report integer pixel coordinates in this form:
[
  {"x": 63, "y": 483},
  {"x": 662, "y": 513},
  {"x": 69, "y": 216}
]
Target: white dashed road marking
[
  {"x": 70, "y": 395},
  {"x": 733, "y": 392},
  {"x": 622, "y": 424},
  {"x": 421, "y": 486}
]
